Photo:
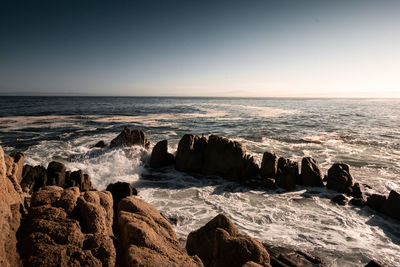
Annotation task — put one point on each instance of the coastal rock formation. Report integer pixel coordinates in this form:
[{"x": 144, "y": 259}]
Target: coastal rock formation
[
  {"x": 311, "y": 174},
  {"x": 391, "y": 207},
  {"x": 18, "y": 159},
  {"x": 288, "y": 173},
  {"x": 340, "y": 179},
  {"x": 130, "y": 138},
  {"x": 376, "y": 202},
  {"x": 160, "y": 156},
  {"x": 147, "y": 238},
  {"x": 284, "y": 257},
  {"x": 11, "y": 202},
  {"x": 56, "y": 173},
  {"x": 33, "y": 178},
  {"x": 120, "y": 190},
  {"x": 190, "y": 154},
  {"x": 219, "y": 243},
  {"x": 100, "y": 144},
  {"x": 67, "y": 228},
  {"x": 269, "y": 165},
  {"x": 340, "y": 199}
]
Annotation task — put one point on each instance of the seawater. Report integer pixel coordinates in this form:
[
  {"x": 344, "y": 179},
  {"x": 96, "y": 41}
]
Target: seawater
[{"x": 363, "y": 133}]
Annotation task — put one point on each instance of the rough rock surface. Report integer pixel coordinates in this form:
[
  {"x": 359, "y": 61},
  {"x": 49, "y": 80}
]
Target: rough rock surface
[
  {"x": 18, "y": 158},
  {"x": 56, "y": 174},
  {"x": 120, "y": 190},
  {"x": 288, "y": 173},
  {"x": 311, "y": 174},
  {"x": 269, "y": 165},
  {"x": 67, "y": 228},
  {"x": 160, "y": 156},
  {"x": 190, "y": 154},
  {"x": 147, "y": 238},
  {"x": 285, "y": 257},
  {"x": 219, "y": 243},
  {"x": 10, "y": 204},
  {"x": 340, "y": 179},
  {"x": 33, "y": 178},
  {"x": 130, "y": 138}
]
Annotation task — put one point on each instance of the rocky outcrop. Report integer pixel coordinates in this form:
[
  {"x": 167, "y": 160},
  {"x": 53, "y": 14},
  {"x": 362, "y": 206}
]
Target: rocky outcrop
[
  {"x": 100, "y": 144},
  {"x": 11, "y": 203},
  {"x": 269, "y": 165},
  {"x": 190, "y": 154},
  {"x": 285, "y": 257},
  {"x": 67, "y": 228},
  {"x": 391, "y": 206},
  {"x": 18, "y": 159},
  {"x": 311, "y": 174},
  {"x": 340, "y": 199},
  {"x": 33, "y": 178},
  {"x": 120, "y": 190},
  {"x": 340, "y": 179},
  {"x": 160, "y": 156},
  {"x": 288, "y": 173},
  {"x": 147, "y": 238},
  {"x": 56, "y": 173},
  {"x": 130, "y": 138},
  {"x": 219, "y": 243},
  {"x": 376, "y": 202}
]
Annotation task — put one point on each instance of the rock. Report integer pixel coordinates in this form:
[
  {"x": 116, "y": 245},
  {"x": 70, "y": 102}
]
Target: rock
[
  {"x": 267, "y": 183},
  {"x": 18, "y": 158},
  {"x": 374, "y": 263},
  {"x": 357, "y": 193},
  {"x": 12, "y": 172},
  {"x": 120, "y": 190},
  {"x": 376, "y": 202},
  {"x": 79, "y": 179},
  {"x": 219, "y": 243},
  {"x": 100, "y": 144},
  {"x": 130, "y": 138},
  {"x": 160, "y": 156},
  {"x": 190, "y": 154},
  {"x": 311, "y": 174},
  {"x": 52, "y": 234},
  {"x": 288, "y": 173},
  {"x": 56, "y": 174},
  {"x": 11, "y": 201},
  {"x": 147, "y": 238},
  {"x": 33, "y": 178},
  {"x": 340, "y": 199},
  {"x": 391, "y": 206},
  {"x": 357, "y": 202},
  {"x": 269, "y": 165},
  {"x": 285, "y": 257},
  {"x": 339, "y": 178}
]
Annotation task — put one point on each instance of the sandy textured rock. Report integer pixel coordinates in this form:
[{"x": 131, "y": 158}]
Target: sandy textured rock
[
  {"x": 311, "y": 174},
  {"x": 147, "y": 238},
  {"x": 130, "y": 138},
  {"x": 219, "y": 243},
  {"x": 18, "y": 158}
]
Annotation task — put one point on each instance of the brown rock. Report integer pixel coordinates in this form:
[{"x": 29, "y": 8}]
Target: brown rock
[
  {"x": 391, "y": 206},
  {"x": 18, "y": 158},
  {"x": 33, "y": 178},
  {"x": 56, "y": 174},
  {"x": 311, "y": 174},
  {"x": 269, "y": 165},
  {"x": 78, "y": 178},
  {"x": 376, "y": 202},
  {"x": 147, "y": 238},
  {"x": 285, "y": 257},
  {"x": 340, "y": 179},
  {"x": 357, "y": 201},
  {"x": 120, "y": 190},
  {"x": 219, "y": 243},
  {"x": 288, "y": 173},
  {"x": 130, "y": 138},
  {"x": 190, "y": 153},
  {"x": 160, "y": 156},
  {"x": 340, "y": 199}
]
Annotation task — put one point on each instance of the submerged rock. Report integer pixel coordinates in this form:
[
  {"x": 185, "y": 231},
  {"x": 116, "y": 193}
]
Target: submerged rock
[
  {"x": 288, "y": 173},
  {"x": 311, "y": 174},
  {"x": 130, "y": 138},
  {"x": 357, "y": 201},
  {"x": 340, "y": 199},
  {"x": 219, "y": 243},
  {"x": 269, "y": 165},
  {"x": 340, "y": 179},
  {"x": 160, "y": 156},
  {"x": 284, "y": 257},
  {"x": 100, "y": 144}
]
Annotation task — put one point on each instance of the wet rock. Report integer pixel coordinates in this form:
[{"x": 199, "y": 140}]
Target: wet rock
[
  {"x": 340, "y": 199},
  {"x": 374, "y": 263},
  {"x": 18, "y": 158},
  {"x": 391, "y": 206},
  {"x": 100, "y": 144},
  {"x": 359, "y": 202},
  {"x": 56, "y": 174},
  {"x": 267, "y": 183},
  {"x": 339, "y": 178},
  {"x": 288, "y": 173},
  {"x": 130, "y": 138},
  {"x": 285, "y": 257},
  {"x": 160, "y": 156},
  {"x": 190, "y": 154},
  {"x": 376, "y": 202},
  {"x": 269, "y": 165},
  {"x": 219, "y": 243},
  {"x": 120, "y": 190},
  {"x": 147, "y": 238},
  {"x": 311, "y": 174},
  {"x": 357, "y": 193}
]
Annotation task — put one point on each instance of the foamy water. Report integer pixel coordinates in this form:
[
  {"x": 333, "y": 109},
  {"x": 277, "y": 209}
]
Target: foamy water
[{"x": 330, "y": 131}]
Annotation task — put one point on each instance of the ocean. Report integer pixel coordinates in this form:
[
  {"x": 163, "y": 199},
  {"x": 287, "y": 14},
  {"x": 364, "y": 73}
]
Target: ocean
[{"x": 364, "y": 133}]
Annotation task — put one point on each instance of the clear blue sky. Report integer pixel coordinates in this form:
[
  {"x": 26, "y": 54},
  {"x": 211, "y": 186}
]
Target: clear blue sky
[{"x": 201, "y": 48}]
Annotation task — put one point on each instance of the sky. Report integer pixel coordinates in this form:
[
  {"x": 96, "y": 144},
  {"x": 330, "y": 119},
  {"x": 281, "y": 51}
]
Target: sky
[{"x": 251, "y": 48}]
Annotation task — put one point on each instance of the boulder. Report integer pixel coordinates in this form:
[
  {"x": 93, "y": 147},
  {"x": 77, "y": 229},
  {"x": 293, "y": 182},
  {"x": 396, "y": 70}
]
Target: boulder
[
  {"x": 219, "y": 243},
  {"x": 288, "y": 174},
  {"x": 100, "y": 144},
  {"x": 160, "y": 156},
  {"x": 18, "y": 158},
  {"x": 56, "y": 174},
  {"x": 79, "y": 179},
  {"x": 340, "y": 179},
  {"x": 285, "y": 257},
  {"x": 269, "y": 165},
  {"x": 311, "y": 174},
  {"x": 65, "y": 228},
  {"x": 120, "y": 190},
  {"x": 340, "y": 199},
  {"x": 147, "y": 238},
  {"x": 376, "y": 202},
  {"x": 190, "y": 154},
  {"x": 391, "y": 206},
  {"x": 357, "y": 193},
  {"x": 359, "y": 202},
  {"x": 33, "y": 178},
  {"x": 130, "y": 138},
  {"x": 374, "y": 263}
]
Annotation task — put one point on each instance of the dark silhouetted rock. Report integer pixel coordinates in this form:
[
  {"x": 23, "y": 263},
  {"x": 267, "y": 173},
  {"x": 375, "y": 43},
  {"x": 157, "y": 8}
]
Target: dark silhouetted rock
[
  {"x": 79, "y": 179},
  {"x": 267, "y": 183},
  {"x": 286, "y": 257},
  {"x": 33, "y": 178},
  {"x": 357, "y": 193},
  {"x": 219, "y": 243},
  {"x": 160, "y": 156},
  {"x": 56, "y": 174},
  {"x": 120, "y": 190},
  {"x": 190, "y": 154},
  {"x": 340, "y": 179},
  {"x": 147, "y": 238},
  {"x": 130, "y": 138},
  {"x": 358, "y": 201},
  {"x": 391, "y": 206},
  {"x": 311, "y": 174},
  {"x": 374, "y": 263},
  {"x": 100, "y": 144},
  {"x": 340, "y": 199},
  {"x": 288, "y": 173},
  {"x": 269, "y": 165},
  {"x": 376, "y": 202}
]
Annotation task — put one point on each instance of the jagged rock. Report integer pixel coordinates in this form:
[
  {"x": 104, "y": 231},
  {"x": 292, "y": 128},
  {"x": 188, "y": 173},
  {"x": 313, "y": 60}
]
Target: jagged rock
[
  {"x": 33, "y": 178},
  {"x": 78, "y": 178},
  {"x": 286, "y": 257},
  {"x": 376, "y": 202},
  {"x": 160, "y": 156},
  {"x": 18, "y": 158},
  {"x": 56, "y": 174},
  {"x": 219, "y": 243},
  {"x": 340, "y": 179},
  {"x": 357, "y": 193},
  {"x": 147, "y": 238},
  {"x": 52, "y": 235},
  {"x": 120, "y": 190},
  {"x": 311, "y": 174},
  {"x": 190, "y": 154},
  {"x": 100, "y": 144},
  {"x": 130, "y": 138},
  {"x": 12, "y": 172},
  {"x": 11, "y": 202},
  {"x": 340, "y": 199},
  {"x": 391, "y": 206},
  {"x": 358, "y": 202},
  {"x": 288, "y": 173},
  {"x": 269, "y": 165}
]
